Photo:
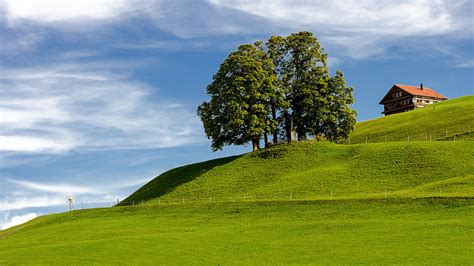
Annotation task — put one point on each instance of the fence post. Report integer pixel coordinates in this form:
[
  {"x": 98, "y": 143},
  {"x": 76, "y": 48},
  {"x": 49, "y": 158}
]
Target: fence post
[
  {"x": 408, "y": 138},
  {"x": 159, "y": 201},
  {"x": 430, "y": 136},
  {"x": 366, "y": 140},
  {"x": 386, "y": 138},
  {"x": 133, "y": 203}
]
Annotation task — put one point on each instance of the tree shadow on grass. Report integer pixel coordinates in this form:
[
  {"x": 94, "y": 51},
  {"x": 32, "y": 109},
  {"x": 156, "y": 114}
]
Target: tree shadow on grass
[{"x": 170, "y": 180}]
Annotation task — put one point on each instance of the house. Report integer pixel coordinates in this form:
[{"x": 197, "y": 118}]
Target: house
[{"x": 402, "y": 98}]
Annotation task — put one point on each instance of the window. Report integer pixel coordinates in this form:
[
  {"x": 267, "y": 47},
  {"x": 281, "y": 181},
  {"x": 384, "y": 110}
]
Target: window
[{"x": 397, "y": 94}]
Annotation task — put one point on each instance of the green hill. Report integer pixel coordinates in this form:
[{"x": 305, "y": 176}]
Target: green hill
[
  {"x": 439, "y": 121},
  {"x": 311, "y": 170},
  {"x": 405, "y": 202}
]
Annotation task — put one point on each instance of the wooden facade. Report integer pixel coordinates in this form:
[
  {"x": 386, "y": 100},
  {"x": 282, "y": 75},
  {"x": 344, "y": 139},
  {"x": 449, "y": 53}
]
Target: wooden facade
[{"x": 403, "y": 98}]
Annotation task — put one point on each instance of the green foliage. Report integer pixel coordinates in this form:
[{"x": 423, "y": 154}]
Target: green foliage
[
  {"x": 339, "y": 118},
  {"x": 385, "y": 231},
  {"x": 440, "y": 121},
  {"x": 257, "y": 92},
  {"x": 314, "y": 103},
  {"x": 240, "y": 92}
]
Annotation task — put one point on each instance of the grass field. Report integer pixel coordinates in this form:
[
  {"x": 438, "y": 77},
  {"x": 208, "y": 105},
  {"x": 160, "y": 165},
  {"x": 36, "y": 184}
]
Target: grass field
[
  {"x": 405, "y": 202},
  {"x": 437, "y": 121},
  {"x": 407, "y": 231},
  {"x": 312, "y": 170}
]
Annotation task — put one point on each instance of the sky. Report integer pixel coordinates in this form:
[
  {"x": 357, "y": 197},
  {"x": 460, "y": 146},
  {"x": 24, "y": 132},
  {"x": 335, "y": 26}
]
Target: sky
[{"x": 97, "y": 97}]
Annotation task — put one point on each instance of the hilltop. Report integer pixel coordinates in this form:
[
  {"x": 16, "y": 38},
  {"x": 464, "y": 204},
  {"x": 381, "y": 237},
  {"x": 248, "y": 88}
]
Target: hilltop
[
  {"x": 318, "y": 170},
  {"x": 311, "y": 170},
  {"x": 438, "y": 121}
]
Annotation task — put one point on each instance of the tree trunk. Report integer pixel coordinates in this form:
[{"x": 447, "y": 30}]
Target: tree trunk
[
  {"x": 275, "y": 132},
  {"x": 265, "y": 139},
  {"x": 288, "y": 127},
  {"x": 255, "y": 143},
  {"x": 301, "y": 135}
]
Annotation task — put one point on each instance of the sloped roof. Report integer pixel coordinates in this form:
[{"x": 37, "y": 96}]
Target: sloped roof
[{"x": 416, "y": 91}]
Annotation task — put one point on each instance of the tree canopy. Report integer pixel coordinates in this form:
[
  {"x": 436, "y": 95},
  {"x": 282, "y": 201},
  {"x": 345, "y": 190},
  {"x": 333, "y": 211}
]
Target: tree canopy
[
  {"x": 278, "y": 89},
  {"x": 240, "y": 92}
]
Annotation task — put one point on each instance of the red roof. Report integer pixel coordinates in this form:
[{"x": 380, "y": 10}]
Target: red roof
[{"x": 413, "y": 90}]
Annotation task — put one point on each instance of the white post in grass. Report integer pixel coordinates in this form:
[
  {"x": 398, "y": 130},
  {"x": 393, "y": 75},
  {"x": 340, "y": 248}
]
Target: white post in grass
[
  {"x": 366, "y": 140},
  {"x": 408, "y": 138}
]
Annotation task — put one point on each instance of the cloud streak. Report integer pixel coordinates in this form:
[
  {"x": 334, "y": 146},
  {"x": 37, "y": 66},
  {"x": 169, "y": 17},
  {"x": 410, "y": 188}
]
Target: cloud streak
[
  {"x": 60, "y": 108},
  {"x": 29, "y": 194},
  {"x": 357, "y": 29}
]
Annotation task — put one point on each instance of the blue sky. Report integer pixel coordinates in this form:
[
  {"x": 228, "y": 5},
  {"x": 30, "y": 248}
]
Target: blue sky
[{"x": 99, "y": 96}]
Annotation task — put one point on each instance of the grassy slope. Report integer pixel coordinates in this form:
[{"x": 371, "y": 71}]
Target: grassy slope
[
  {"x": 358, "y": 226},
  {"x": 428, "y": 231},
  {"x": 454, "y": 116},
  {"x": 314, "y": 170}
]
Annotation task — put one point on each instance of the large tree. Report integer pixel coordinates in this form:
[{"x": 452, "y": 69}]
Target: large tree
[
  {"x": 241, "y": 94},
  {"x": 303, "y": 74},
  {"x": 339, "y": 118},
  {"x": 314, "y": 103},
  {"x": 281, "y": 87}
]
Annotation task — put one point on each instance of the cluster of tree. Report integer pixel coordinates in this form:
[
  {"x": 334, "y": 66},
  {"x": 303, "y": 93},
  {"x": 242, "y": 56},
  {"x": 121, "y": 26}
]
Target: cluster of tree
[{"x": 281, "y": 89}]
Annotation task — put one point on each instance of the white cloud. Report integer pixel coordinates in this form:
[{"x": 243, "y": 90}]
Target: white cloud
[
  {"x": 59, "y": 108},
  {"x": 75, "y": 189},
  {"x": 28, "y": 194},
  {"x": 17, "y": 220},
  {"x": 402, "y": 17},
  {"x": 55, "y": 10},
  {"x": 34, "y": 201},
  {"x": 56, "y": 188},
  {"x": 363, "y": 28},
  {"x": 353, "y": 28}
]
